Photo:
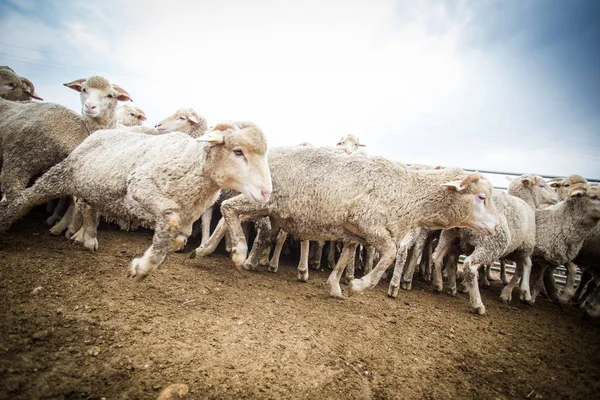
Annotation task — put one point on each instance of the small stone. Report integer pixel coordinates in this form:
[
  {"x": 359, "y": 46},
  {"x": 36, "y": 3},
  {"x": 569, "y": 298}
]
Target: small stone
[
  {"x": 174, "y": 392},
  {"x": 37, "y": 290}
]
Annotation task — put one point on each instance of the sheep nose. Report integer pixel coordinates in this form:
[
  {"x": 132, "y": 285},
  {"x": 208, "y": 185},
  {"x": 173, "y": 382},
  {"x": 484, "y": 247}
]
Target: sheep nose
[
  {"x": 157, "y": 125},
  {"x": 89, "y": 107}
]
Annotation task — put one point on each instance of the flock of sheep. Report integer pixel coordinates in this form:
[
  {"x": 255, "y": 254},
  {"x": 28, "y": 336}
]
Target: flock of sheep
[{"x": 103, "y": 162}]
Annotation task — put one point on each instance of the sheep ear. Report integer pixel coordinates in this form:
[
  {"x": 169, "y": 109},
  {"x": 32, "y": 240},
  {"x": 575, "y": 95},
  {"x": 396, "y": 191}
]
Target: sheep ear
[
  {"x": 142, "y": 117},
  {"x": 214, "y": 137},
  {"x": 75, "y": 85},
  {"x": 122, "y": 93},
  {"x": 192, "y": 119},
  {"x": 474, "y": 177},
  {"x": 338, "y": 144},
  {"x": 526, "y": 181},
  {"x": 224, "y": 127},
  {"x": 362, "y": 145},
  {"x": 30, "y": 89},
  {"x": 438, "y": 167},
  {"x": 456, "y": 185}
]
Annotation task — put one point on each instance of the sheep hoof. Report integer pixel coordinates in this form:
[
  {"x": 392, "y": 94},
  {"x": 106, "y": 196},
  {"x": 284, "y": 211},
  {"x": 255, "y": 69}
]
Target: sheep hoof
[
  {"x": 136, "y": 271},
  {"x": 55, "y": 231},
  {"x": 393, "y": 291},
  {"x": 51, "y": 220},
  {"x": 479, "y": 310},
  {"x": 406, "y": 285},
  {"x": 247, "y": 265},
  {"x": 91, "y": 244},
  {"x": 505, "y": 299},
  {"x": 303, "y": 276},
  {"x": 238, "y": 257},
  {"x": 357, "y": 286},
  {"x": 438, "y": 289},
  {"x": 337, "y": 295},
  {"x": 451, "y": 292},
  {"x": 192, "y": 254},
  {"x": 273, "y": 268}
]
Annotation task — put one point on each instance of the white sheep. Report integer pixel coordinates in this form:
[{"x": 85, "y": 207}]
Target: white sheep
[
  {"x": 167, "y": 181},
  {"x": 561, "y": 231},
  {"x": 321, "y": 195},
  {"x": 130, "y": 115},
  {"x": 36, "y": 136},
  {"x": 185, "y": 120}
]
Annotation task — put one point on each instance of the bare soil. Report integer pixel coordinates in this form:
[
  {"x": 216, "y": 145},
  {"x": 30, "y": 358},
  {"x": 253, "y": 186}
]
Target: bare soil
[{"x": 73, "y": 326}]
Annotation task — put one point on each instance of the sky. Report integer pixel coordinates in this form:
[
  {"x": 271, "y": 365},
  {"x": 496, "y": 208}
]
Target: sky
[{"x": 508, "y": 85}]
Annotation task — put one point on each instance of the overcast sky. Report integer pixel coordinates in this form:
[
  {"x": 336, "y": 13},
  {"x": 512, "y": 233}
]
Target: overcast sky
[{"x": 509, "y": 85}]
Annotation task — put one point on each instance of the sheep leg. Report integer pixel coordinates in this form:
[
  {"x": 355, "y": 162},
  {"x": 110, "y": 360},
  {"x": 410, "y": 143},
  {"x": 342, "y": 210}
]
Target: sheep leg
[
  {"x": 569, "y": 288},
  {"x": 503, "y": 272},
  {"x": 303, "y": 264},
  {"x": 315, "y": 261},
  {"x": 387, "y": 249},
  {"x": 586, "y": 277},
  {"x": 537, "y": 280},
  {"x": 483, "y": 278},
  {"x": 592, "y": 304},
  {"x": 232, "y": 209},
  {"x": 51, "y": 185},
  {"x": 58, "y": 210},
  {"x": 369, "y": 259},
  {"x": 63, "y": 224},
  {"x": 409, "y": 271},
  {"x": 206, "y": 220},
  {"x": 471, "y": 272},
  {"x": 550, "y": 284},
  {"x": 401, "y": 255},
  {"x": 524, "y": 288},
  {"x": 211, "y": 244},
  {"x": 444, "y": 245},
  {"x": 274, "y": 263},
  {"x": 506, "y": 293},
  {"x": 334, "y": 278},
  {"x": 331, "y": 255},
  {"x": 264, "y": 258},
  {"x": 349, "y": 272},
  {"x": 14, "y": 178},
  {"x": 451, "y": 268},
  {"x": 88, "y": 237},
  {"x": 261, "y": 241},
  {"x": 168, "y": 236},
  {"x": 76, "y": 220}
]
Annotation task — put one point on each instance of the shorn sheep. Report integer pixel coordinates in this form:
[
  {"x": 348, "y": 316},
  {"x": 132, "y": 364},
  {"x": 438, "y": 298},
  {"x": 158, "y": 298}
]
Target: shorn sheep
[
  {"x": 321, "y": 195},
  {"x": 14, "y": 87},
  {"x": 130, "y": 115},
  {"x": 167, "y": 181},
  {"x": 36, "y": 136}
]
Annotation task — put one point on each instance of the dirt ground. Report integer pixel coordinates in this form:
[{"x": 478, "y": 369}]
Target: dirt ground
[{"x": 73, "y": 326}]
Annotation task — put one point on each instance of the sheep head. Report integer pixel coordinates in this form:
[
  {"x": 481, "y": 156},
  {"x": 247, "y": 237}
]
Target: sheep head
[
  {"x": 14, "y": 87},
  {"x": 129, "y": 115},
  {"x": 537, "y": 187},
  {"x": 185, "y": 120},
  {"x": 239, "y": 157},
  {"x": 349, "y": 144},
  {"x": 98, "y": 96},
  {"x": 471, "y": 199},
  {"x": 585, "y": 198},
  {"x": 567, "y": 182}
]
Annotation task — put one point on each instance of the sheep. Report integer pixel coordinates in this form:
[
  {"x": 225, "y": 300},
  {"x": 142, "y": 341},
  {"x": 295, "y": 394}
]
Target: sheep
[
  {"x": 413, "y": 242},
  {"x": 185, "y": 120},
  {"x": 561, "y": 231},
  {"x": 321, "y": 195},
  {"x": 515, "y": 240},
  {"x": 350, "y": 144},
  {"x": 128, "y": 115},
  {"x": 167, "y": 181},
  {"x": 14, "y": 87},
  {"x": 588, "y": 259},
  {"x": 36, "y": 136},
  {"x": 567, "y": 182}
]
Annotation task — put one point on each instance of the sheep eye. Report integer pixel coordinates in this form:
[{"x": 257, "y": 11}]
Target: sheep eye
[
  {"x": 481, "y": 197},
  {"x": 566, "y": 185},
  {"x": 12, "y": 85},
  {"x": 181, "y": 118},
  {"x": 84, "y": 90},
  {"x": 110, "y": 96},
  {"x": 131, "y": 114},
  {"x": 594, "y": 197},
  {"x": 238, "y": 152}
]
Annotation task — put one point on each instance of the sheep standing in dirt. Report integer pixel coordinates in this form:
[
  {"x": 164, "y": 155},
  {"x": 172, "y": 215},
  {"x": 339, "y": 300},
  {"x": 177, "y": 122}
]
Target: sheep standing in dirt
[
  {"x": 515, "y": 241},
  {"x": 561, "y": 231},
  {"x": 14, "y": 87},
  {"x": 320, "y": 195},
  {"x": 167, "y": 181},
  {"x": 36, "y": 136},
  {"x": 130, "y": 115}
]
